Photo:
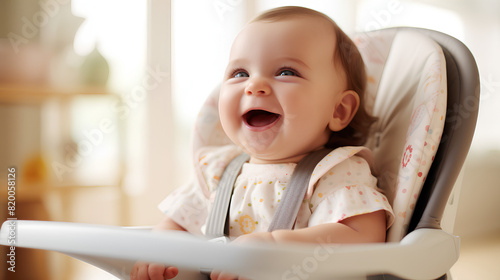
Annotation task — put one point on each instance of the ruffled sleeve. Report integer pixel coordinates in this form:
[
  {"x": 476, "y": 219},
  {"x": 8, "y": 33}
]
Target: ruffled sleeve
[
  {"x": 346, "y": 190},
  {"x": 187, "y": 206}
]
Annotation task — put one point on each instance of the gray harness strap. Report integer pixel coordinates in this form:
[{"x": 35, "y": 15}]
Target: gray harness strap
[
  {"x": 289, "y": 205},
  {"x": 217, "y": 217},
  {"x": 288, "y": 208}
]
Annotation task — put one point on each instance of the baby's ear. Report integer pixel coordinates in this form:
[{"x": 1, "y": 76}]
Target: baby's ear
[{"x": 345, "y": 109}]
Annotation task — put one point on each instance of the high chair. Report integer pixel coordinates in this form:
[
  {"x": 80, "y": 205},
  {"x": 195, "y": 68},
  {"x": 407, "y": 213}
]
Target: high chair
[{"x": 424, "y": 88}]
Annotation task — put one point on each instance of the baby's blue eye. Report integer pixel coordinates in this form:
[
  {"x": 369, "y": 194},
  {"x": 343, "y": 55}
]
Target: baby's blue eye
[
  {"x": 287, "y": 73},
  {"x": 240, "y": 75}
]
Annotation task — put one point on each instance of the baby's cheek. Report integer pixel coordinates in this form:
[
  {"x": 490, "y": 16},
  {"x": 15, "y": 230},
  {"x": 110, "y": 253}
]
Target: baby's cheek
[{"x": 227, "y": 115}]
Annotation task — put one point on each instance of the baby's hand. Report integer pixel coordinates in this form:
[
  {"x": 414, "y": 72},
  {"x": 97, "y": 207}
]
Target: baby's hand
[
  {"x": 152, "y": 271},
  {"x": 225, "y": 276},
  {"x": 253, "y": 237}
]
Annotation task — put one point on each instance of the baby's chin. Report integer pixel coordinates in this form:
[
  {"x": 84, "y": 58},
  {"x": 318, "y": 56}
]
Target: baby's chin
[{"x": 271, "y": 147}]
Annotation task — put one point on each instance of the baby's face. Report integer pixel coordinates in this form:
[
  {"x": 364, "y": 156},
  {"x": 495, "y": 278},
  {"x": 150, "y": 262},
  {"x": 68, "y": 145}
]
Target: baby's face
[{"x": 280, "y": 89}]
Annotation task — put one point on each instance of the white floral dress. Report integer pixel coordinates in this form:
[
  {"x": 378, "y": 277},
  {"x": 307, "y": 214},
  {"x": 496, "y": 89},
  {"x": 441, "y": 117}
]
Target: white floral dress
[{"x": 341, "y": 186}]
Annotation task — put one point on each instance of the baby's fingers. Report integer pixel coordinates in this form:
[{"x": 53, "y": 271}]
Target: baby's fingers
[
  {"x": 160, "y": 272},
  {"x": 217, "y": 275},
  {"x": 145, "y": 271},
  {"x": 171, "y": 272},
  {"x": 139, "y": 271}
]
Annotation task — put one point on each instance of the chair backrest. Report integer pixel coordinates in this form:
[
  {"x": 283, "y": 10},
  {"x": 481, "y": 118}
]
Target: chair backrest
[
  {"x": 460, "y": 122},
  {"x": 418, "y": 82},
  {"x": 408, "y": 85},
  {"x": 407, "y": 93}
]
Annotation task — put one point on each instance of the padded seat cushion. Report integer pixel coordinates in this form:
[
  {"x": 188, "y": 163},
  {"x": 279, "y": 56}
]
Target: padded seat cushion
[{"x": 406, "y": 91}]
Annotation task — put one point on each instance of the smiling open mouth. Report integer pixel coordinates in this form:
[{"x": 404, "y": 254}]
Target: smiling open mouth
[{"x": 260, "y": 118}]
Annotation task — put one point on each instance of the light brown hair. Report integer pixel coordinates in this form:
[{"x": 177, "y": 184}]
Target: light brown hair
[{"x": 351, "y": 62}]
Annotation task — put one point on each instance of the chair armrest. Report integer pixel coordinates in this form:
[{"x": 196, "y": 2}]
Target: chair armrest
[{"x": 423, "y": 254}]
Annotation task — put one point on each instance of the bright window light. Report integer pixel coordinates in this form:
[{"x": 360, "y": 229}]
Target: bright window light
[
  {"x": 118, "y": 30},
  {"x": 376, "y": 14}
]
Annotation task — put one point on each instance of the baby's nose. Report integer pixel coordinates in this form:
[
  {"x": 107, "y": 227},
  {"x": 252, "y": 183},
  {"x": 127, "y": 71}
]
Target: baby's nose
[
  {"x": 257, "y": 86},
  {"x": 256, "y": 92}
]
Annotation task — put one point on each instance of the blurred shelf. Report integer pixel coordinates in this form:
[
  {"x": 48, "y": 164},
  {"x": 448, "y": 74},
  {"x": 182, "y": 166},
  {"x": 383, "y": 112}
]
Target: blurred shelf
[
  {"x": 36, "y": 191},
  {"x": 22, "y": 94},
  {"x": 33, "y": 191},
  {"x": 56, "y": 121}
]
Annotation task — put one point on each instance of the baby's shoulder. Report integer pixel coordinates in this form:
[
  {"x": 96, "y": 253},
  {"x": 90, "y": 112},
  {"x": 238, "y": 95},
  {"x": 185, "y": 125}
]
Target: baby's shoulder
[
  {"x": 211, "y": 161},
  {"x": 339, "y": 161},
  {"x": 210, "y": 154},
  {"x": 343, "y": 156}
]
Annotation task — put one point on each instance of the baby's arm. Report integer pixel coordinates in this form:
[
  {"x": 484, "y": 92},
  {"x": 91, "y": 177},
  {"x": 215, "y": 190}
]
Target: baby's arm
[
  {"x": 365, "y": 228},
  {"x": 168, "y": 224},
  {"x": 153, "y": 271}
]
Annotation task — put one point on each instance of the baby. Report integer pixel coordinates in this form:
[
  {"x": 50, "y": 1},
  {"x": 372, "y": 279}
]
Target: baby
[{"x": 294, "y": 84}]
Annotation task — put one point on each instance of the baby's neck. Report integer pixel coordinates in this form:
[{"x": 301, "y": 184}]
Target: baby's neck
[
  {"x": 295, "y": 159},
  {"x": 292, "y": 159}
]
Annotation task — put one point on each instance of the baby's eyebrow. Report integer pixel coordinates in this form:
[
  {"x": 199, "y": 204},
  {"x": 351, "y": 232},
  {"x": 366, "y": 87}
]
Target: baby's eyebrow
[
  {"x": 238, "y": 61},
  {"x": 296, "y": 60},
  {"x": 243, "y": 61}
]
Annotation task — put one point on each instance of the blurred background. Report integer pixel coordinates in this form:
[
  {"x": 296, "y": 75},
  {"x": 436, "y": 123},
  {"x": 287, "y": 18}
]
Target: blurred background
[{"x": 98, "y": 99}]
